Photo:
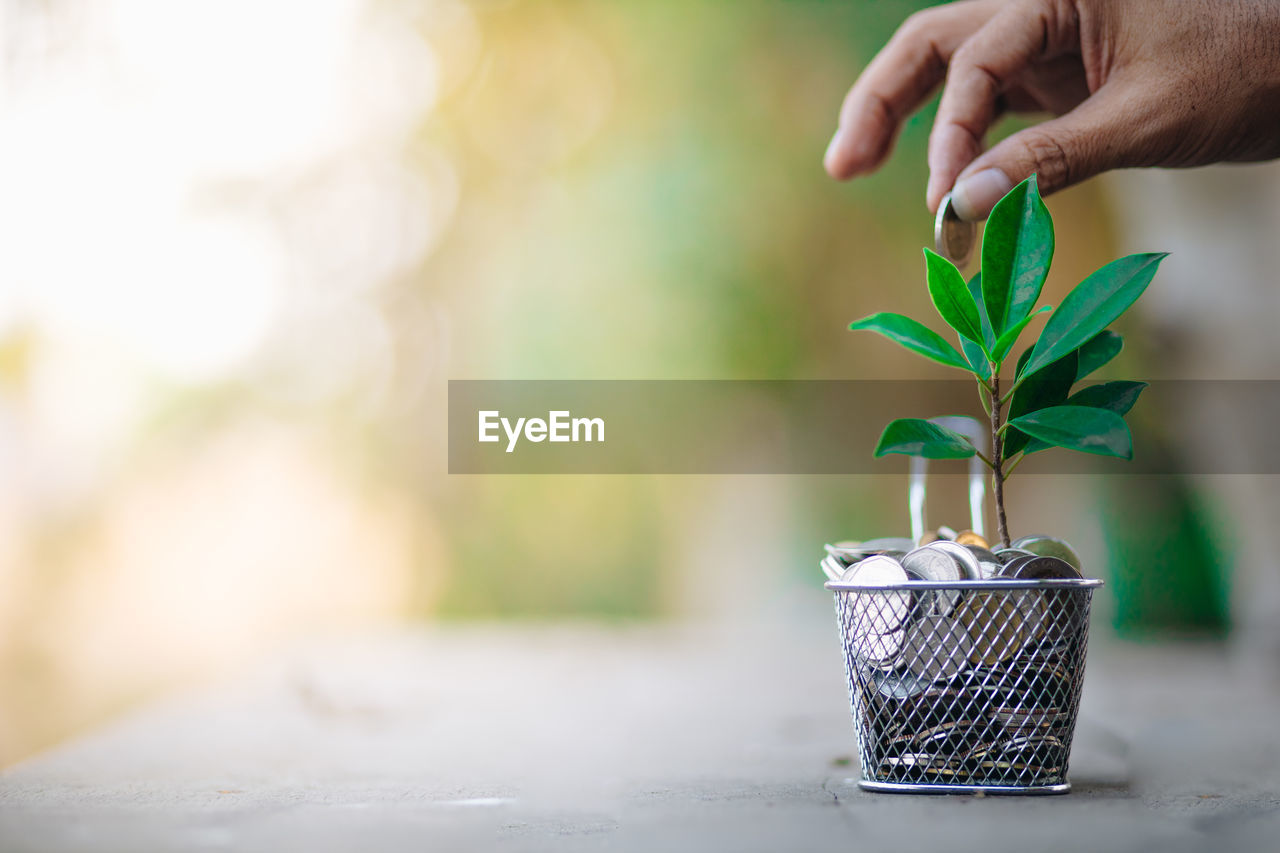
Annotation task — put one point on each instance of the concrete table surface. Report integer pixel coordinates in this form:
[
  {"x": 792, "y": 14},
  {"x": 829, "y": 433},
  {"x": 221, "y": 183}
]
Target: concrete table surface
[{"x": 647, "y": 738}]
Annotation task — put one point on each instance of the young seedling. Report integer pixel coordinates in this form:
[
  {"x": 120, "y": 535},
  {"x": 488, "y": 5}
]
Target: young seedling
[{"x": 1036, "y": 409}]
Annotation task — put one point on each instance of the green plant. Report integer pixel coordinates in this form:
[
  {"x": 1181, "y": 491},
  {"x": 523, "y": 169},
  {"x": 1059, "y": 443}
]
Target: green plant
[{"x": 988, "y": 314}]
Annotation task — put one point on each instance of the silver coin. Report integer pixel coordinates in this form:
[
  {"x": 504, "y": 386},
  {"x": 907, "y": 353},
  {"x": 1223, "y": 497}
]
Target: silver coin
[
  {"x": 1041, "y": 568},
  {"x": 1035, "y": 614},
  {"x": 1035, "y": 741},
  {"x": 945, "y": 739},
  {"x": 967, "y": 561},
  {"x": 925, "y": 763},
  {"x": 1025, "y": 760},
  {"x": 930, "y": 563},
  {"x": 876, "y": 570},
  {"x": 1031, "y": 603},
  {"x": 1027, "y": 721},
  {"x": 990, "y": 569},
  {"x": 936, "y": 647},
  {"x": 882, "y": 613},
  {"x": 832, "y": 567},
  {"x": 1036, "y": 753},
  {"x": 915, "y": 761},
  {"x": 878, "y": 650},
  {"x": 1008, "y": 569},
  {"x": 952, "y": 237},
  {"x": 922, "y": 599},
  {"x": 970, "y": 568},
  {"x": 878, "y": 612},
  {"x": 983, "y": 554},
  {"x": 1049, "y": 546},
  {"x": 852, "y": 552},
  {"x": 983, "y": 752},
  {"x": 896, "y": 684},
  {"x": 1005, "y": 555},
  {"x": 849, "y": 552}
]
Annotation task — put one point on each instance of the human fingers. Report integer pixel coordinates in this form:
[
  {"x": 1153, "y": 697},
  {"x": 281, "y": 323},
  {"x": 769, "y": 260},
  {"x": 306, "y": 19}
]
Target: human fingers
[
  {"x": 982, "y": 68},
  {"x": 895, "y": 83},
  {"x": 1098, "y": 135}
]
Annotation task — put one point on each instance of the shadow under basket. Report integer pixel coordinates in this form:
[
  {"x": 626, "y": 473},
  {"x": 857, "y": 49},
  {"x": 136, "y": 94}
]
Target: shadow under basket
[{"x": 965, "y": 687}]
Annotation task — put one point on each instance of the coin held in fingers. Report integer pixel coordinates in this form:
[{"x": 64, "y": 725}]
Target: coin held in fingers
[{"x": 953, "y": 237}]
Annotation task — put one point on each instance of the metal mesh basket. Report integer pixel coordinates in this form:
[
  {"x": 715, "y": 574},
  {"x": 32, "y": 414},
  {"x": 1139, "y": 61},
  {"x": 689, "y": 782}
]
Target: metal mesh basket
[
  {"x": 964, "y": 686},
  {"x": 968, "y": 686}
]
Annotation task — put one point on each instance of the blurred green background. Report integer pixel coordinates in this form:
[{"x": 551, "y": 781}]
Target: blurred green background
[{"x": 251, "y": 243}]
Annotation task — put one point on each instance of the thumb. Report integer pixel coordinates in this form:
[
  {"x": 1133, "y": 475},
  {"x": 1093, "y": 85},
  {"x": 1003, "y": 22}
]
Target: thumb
[{"x": 1061, "y": 152}]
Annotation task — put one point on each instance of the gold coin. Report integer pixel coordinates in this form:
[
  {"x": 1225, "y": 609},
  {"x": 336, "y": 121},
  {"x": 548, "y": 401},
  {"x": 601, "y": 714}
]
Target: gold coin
[
  {"x": 995, "y": 623},
  {"x": 968, "y": 537}
]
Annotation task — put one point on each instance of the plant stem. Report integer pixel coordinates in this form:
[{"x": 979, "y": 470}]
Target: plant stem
[
  {"x": 1008, "y": 395},
  {"x": 997, "y": 456}
]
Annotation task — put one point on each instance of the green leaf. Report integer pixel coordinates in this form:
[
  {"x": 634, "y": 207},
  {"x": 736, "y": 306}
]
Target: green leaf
[
  {"x": 1017, "y": 248},
  {"x": 1010, "y": 336},
  {"x": 1097, "y": 351},
  {"x": 1081, "y": 428},
  {"x": 975, "y": 291},
  {"x": 977, "y": 359},
  {"x": 1092, "y": 306},
  {"x": 916, "y": 437},
  {"x": 1049, "y": 387},
  {"x": 975, "y": 354},
  {"x": 1118, "y": 397},
  {"x": 951, "y": 296},
  {"x": 913, "y": 335}
]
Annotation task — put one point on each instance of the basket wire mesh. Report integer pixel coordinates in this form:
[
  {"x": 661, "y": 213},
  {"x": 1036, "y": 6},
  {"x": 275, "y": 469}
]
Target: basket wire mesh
[{"x": 965, "y": 686}]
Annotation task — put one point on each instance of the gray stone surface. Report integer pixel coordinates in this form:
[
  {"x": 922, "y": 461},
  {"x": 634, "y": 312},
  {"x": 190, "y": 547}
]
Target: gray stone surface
[{"x": 656, "y": 738}]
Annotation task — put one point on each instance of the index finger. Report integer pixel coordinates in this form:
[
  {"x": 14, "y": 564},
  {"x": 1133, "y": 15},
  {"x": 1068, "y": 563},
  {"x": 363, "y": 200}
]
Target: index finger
[
  {"x": 981, "y": 69},
  {"x": 896, "y": 81}
]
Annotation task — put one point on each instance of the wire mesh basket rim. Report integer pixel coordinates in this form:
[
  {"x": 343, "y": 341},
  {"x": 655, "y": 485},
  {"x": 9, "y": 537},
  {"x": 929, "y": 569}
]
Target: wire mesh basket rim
[{"x": 989, "y": 584}]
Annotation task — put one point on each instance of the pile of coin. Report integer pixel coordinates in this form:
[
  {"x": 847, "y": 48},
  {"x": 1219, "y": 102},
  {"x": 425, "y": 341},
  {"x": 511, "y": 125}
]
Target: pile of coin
[{"x": 956, "y": 685}]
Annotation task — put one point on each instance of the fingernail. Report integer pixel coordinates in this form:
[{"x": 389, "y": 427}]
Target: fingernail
[
  {"x": 974, "y": 196},
  {"x": 832, "y": 146}
]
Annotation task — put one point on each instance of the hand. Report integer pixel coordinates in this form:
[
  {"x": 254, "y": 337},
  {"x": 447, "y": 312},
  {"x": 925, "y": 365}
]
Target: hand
[{"x": 1133, "y": 83}]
